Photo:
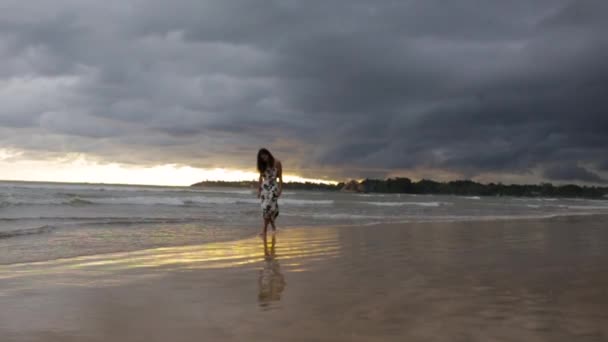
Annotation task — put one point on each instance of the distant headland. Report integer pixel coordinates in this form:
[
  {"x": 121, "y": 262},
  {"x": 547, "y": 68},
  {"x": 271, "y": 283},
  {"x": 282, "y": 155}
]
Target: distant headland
[{"x": 402, "y": 185}]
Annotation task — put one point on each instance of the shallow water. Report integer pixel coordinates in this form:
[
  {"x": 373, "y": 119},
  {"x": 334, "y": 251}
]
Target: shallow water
[
  {"x": 528, "y": 280},
  {"x": 43, "y": 221}
]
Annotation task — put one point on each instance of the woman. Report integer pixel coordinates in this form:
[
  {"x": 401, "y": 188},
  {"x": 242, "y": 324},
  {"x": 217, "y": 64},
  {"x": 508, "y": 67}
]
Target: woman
[{"x": 268, "y": 190}]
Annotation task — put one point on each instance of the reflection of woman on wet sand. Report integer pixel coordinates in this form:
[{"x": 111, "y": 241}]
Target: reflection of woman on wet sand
[{"x": 271, "y": 282}]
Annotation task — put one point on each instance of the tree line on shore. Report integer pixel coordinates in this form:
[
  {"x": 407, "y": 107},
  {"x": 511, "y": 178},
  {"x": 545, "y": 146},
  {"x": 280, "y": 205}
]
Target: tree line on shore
[{"x": 460, "y": 187}]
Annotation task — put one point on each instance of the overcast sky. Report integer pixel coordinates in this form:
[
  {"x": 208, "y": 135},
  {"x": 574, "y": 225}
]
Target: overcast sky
[{"x": 489, "y": 90}]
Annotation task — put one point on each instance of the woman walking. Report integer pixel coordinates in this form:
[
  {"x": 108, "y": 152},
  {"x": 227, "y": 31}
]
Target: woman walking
[{"x": 268, "y": 190}]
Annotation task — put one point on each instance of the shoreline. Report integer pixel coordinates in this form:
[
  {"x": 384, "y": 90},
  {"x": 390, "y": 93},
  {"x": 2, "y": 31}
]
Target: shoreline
[{"x": 399, "y": 224}]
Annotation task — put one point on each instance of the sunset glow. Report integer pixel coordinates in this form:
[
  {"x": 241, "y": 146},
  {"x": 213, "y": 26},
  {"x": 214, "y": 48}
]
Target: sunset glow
[{"x": 81, "y": 170}]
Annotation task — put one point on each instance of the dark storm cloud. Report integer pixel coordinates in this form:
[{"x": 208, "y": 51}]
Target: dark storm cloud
[
  {"x": 353, "y": 88},
  {"x": 572, "y": 173}
]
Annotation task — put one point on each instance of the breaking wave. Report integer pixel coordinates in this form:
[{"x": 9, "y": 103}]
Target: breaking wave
[
  {"x": 26, "y": 231},
  {"x": 398, "y": 204}
]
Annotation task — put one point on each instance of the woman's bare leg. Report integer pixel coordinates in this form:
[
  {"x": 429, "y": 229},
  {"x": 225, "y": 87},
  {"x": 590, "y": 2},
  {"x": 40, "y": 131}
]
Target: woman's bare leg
[
  {"x": 266, "y": 252},
  {"x": 263, "y": 232},
  {"x": 274, "y": 228}
]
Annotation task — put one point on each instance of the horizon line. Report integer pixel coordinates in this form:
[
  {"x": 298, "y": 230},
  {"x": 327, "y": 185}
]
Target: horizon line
[{"x": 334, "y": 183}]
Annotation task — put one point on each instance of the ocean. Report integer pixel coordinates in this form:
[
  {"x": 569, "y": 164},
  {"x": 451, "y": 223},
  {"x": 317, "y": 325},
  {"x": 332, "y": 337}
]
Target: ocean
[{"x": 47, "y": 221}]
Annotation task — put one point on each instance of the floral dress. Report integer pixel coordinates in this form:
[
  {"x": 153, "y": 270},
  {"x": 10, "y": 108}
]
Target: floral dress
[{"x": 270, "y": 194}]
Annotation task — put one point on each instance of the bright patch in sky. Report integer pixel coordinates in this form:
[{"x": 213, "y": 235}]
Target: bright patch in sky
[{"x": 82, "y": 170}]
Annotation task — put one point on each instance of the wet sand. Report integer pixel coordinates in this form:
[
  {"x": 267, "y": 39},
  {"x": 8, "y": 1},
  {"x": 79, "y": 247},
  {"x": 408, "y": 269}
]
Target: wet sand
[{"x": 528, "y": 280}]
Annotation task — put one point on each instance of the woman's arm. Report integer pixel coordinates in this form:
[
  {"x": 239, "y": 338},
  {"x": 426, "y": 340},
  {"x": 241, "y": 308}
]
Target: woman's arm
[
  {"x": 259, "y": 185},
  {"x": 280, "y": 176}
]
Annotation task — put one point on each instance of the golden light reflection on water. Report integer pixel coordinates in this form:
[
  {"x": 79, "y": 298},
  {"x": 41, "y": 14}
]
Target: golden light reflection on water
[{"x": 299, "y": 249}]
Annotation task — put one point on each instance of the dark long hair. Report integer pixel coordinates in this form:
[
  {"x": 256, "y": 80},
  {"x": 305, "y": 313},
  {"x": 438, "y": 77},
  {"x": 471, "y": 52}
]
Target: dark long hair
[{"x": 262, "y": 165}]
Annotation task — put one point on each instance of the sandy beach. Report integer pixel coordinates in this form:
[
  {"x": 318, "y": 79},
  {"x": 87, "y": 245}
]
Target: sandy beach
[{"x": 517, "y": 280}]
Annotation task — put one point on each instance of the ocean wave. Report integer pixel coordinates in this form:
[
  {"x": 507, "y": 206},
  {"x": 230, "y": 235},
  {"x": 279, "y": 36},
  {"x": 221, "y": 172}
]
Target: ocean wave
[
  {"x": 336, "y": 216},
  {"x": 157, "y": 200},
  {"x": 584, "y": 207},
  {"x": 370, "y": 220},
  {"x": 398, "y": 204},
  {"x": 26, "y": 231},
  {"x": 203, "y": 200},
  {"x": 290, "y": 201},
  {"x": 470, "y": 218},
  {"x": 44, "y": 201},
  {"x": 101, "y": 220},
  {"x": 143, "y": 221},
  {"x": 222, "y": 191},
  {"x": 135, "y": 200},
  {"x": 544, "y": 199},
  {"x": 77, "y": 201}
]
